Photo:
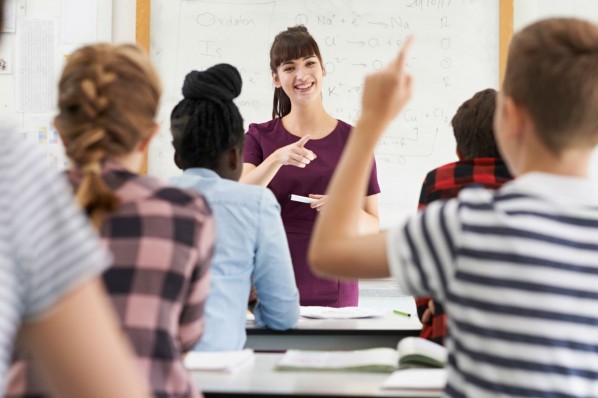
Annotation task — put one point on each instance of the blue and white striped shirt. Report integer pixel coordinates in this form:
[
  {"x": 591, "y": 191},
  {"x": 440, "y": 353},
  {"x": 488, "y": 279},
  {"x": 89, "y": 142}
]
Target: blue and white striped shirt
[{"x": 517, "y": 273}]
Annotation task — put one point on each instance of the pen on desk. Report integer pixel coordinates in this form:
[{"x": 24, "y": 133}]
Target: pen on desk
[
  {"x": 302, "y": 199},
  {"x": 401, "y": 313}
]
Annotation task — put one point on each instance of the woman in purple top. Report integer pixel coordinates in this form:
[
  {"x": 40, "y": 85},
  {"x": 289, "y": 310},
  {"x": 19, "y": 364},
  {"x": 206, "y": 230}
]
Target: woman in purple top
[{"x": 305, "y": 137}]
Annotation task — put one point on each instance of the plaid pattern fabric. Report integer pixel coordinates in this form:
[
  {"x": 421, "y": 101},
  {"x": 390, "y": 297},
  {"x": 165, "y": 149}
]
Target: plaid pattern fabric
[
  {"x": 445, "y": 182},
  {"x": 162, "y": 240}
]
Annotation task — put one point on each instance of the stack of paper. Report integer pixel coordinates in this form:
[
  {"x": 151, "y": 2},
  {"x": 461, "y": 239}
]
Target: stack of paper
[
  {"x": 340, "y": 313},
  {"x": 222, "y": 361}
]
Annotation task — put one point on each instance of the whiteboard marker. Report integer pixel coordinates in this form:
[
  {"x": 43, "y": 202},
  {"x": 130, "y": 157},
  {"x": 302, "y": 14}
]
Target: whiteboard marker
[{"x": 302, "y": 199}]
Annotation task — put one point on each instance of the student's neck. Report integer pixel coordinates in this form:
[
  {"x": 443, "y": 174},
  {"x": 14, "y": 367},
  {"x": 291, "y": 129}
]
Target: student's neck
[
  {"x": 310, "y": 120},
  {"x": 570, "y": 162},
  {"x": 131, "y": 161}
]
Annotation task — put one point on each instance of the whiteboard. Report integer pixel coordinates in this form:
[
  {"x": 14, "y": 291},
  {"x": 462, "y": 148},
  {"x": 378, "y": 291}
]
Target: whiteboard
[{"x": 455, "y": 54}]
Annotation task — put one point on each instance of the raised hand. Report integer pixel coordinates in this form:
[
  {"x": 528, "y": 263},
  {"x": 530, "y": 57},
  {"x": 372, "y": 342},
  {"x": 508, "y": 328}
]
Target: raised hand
[
  {"x": 386, "y": 92},
  {"x": 296, "y": 154}
]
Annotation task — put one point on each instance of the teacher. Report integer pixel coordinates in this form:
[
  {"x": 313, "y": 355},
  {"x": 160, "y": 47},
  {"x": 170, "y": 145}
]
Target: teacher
[{"x": 296, "y": 153}]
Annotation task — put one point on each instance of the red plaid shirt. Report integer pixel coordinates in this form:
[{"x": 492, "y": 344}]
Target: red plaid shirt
[
  {"x": 162, "y": 240},
  {"x": 445, "y": 182}
]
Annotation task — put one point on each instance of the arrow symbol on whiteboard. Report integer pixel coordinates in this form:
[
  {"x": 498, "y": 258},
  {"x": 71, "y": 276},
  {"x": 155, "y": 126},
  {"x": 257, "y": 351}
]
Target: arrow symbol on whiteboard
[
  {"x": 359, "y": 43},
  {"x": 383, "y": 24}
]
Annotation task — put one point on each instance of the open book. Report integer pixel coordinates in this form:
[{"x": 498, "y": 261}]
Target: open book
[
  {"x": 410, "y": 352},
  {"x": 218, "y": 361}
]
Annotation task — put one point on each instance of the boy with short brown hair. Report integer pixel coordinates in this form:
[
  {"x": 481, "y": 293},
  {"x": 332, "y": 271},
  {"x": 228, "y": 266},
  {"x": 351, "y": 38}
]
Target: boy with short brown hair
[{"x": 515, "y": 269}]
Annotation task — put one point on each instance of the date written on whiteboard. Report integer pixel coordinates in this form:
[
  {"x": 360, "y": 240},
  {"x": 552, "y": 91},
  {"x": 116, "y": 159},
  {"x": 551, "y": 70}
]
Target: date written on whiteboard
[{"x": 438, "y": 4}]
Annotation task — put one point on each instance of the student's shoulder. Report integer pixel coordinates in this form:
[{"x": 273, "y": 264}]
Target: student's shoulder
[
  {"x": 444, "y": 170},
  {"x": 251, "y": 195},
  {"x": 477, "y": 196},
  {"x": 179, "y": 201},
  {"x": 14, "y": 145}
]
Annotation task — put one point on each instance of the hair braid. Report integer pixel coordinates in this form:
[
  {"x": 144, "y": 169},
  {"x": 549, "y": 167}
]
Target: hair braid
[{"x": 108, "y": 98}]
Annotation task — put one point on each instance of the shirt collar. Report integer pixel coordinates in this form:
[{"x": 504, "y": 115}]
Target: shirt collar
[
  {"x": 202, "y": 172},
  {"x": 560, "y": 187}
]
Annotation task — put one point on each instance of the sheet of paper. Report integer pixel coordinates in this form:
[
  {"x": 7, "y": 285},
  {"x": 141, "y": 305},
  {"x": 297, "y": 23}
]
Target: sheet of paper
[
  {"x": 341, "y": 313},
  {"x": 6, "y": 55},
  {"x": 79, "y": 21},
  {"x": 36, "y": 41},
  {"x": 9, "y": 24},
  {"x": 222, "y": 361},
  {"x": 417, "y": 379},
  {"x": 39, "y": 130}
]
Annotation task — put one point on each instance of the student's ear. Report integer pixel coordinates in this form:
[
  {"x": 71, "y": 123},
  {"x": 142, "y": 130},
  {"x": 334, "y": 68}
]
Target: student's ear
[
  {"x": 235, "y": 158},
  {"x": 276, "y": 80},
  {"x": 516, "y": 118},
  {"x": 144, "y": 143}
]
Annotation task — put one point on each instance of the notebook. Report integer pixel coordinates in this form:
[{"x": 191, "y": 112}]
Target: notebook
[{"x": 410, "y": 352}]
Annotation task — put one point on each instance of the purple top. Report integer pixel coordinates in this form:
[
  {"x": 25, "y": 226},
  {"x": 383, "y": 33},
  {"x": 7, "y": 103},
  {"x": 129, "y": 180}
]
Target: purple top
[{"x": 261, "y": 141}]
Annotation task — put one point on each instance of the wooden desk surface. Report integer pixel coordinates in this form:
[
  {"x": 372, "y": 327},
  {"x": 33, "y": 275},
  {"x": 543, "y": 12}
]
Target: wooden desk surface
[
  {"x": 259, "y": 379},
  {"x": 335, "y": 334}
]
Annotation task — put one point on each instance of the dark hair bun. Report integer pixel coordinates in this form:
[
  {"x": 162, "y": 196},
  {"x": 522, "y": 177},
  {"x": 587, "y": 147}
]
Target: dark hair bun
[{"x": 222, "y": 82}]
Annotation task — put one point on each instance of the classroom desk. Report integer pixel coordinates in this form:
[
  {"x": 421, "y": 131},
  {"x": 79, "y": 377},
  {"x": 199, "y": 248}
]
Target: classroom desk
[
  {"x": 259, "y": 379},
  {"x": 333, "y": 334}
]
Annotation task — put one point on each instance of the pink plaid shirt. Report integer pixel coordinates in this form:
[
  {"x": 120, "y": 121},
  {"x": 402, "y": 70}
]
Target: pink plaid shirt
[{"x": 162, "y": 240}]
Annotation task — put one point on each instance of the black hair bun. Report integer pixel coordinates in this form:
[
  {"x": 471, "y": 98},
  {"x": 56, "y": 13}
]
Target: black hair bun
[{"x": 222, "y": 82}]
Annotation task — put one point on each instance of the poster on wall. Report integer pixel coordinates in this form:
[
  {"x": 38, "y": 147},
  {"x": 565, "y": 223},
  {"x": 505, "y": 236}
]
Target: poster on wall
[
  {"x": 6, "y": 55},
  {"x": 40, "y": 131},
  {"x": 9, "y": 23}
]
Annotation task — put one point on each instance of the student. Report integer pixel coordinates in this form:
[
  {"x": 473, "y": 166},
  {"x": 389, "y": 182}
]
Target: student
[
  {"x": 207, "y": 131},
  {"x": 281, "y": 154},
  {"x": 479, "y": 160},
  {"x": 479, "y": 163},
  {"x": 51, "y": 296},
  {"x": 52, "y": 299},
  {"x": 161, "y": 237},
  {"x": 515, "y": 270}
]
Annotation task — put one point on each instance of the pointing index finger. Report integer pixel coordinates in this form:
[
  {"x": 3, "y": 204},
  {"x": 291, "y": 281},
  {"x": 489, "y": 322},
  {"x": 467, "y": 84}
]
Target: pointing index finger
[{"x": 399, "y": 63}]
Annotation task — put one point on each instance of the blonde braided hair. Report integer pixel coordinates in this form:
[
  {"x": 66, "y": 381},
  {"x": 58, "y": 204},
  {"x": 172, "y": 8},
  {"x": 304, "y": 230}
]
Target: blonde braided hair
[{"x": 108, "y": 99}]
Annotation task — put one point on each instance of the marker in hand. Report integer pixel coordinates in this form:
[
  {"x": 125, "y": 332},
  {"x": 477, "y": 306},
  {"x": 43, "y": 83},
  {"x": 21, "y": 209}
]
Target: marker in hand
[{"x": 302, "y": 199}]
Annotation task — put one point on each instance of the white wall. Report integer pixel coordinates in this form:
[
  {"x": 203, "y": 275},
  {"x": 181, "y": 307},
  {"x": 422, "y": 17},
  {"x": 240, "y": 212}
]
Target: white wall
[
  {"x": 123, "y": 21},
  {"x": 528, "y": 11}
]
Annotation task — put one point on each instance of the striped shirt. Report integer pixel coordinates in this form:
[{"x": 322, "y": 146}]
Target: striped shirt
[
  {"x": 517, "y": 273},
  {"x": 46, "y": 245}
]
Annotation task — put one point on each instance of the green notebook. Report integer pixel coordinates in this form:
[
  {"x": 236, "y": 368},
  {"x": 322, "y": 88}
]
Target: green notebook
[{"x": 410, "y": 352}]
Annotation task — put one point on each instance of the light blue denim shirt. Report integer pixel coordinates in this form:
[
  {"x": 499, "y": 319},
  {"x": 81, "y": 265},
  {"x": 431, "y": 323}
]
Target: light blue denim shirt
[{"x": 250, "y": 239}]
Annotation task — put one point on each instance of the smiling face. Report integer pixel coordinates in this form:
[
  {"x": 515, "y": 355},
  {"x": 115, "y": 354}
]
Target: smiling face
[{"x": 300, "y": 79}]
